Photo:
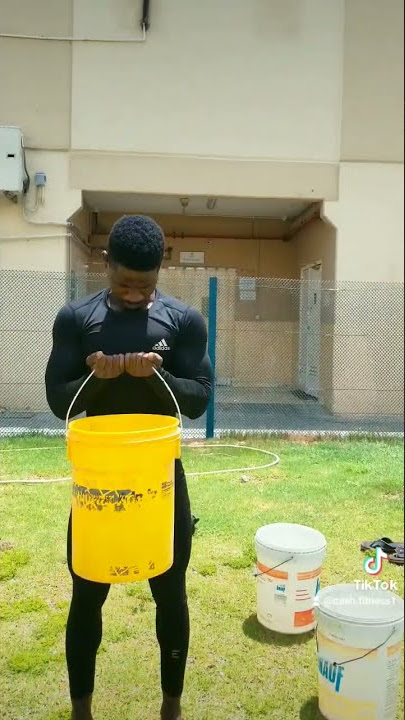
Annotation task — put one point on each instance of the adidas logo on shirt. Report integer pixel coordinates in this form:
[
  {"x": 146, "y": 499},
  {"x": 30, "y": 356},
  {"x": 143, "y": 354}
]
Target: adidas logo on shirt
[{"x": 161, "y": 346}]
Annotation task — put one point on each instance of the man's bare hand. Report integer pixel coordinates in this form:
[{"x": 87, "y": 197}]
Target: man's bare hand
[
  {"x": 142, "y": 364},
  {"x": 106, "y": 367}
]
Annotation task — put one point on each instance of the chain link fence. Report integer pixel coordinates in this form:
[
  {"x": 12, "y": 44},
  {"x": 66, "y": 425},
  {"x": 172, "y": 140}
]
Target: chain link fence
[{"x": 291, "y": 356}]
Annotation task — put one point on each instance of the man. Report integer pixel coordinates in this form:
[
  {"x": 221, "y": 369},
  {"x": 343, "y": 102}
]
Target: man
[{"x": 123, "y": 333}]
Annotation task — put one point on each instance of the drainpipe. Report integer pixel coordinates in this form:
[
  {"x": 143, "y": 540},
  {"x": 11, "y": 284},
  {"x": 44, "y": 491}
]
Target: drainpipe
[
  {"x": 145, "y": 15},
  {"x": 56, "y": 38}
]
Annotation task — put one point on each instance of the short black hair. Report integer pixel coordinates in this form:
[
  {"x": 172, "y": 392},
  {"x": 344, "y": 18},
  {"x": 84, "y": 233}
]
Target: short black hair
[{"x": 136, "y": 242}]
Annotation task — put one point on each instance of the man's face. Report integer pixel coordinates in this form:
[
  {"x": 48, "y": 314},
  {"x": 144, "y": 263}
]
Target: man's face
[{"x": 131, "y": 289}]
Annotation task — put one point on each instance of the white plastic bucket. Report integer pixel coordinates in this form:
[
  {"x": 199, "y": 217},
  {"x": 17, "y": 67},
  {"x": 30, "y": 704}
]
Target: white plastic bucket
[
  {"x": 359, "y": 652},
  {"x": 289, "y": 564}
]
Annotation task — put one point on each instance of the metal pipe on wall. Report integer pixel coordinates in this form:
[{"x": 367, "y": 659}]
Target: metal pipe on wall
[{"x": 145, "y": 15}]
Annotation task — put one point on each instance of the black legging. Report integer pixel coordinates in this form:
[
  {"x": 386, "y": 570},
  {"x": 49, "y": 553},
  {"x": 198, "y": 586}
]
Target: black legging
[{"x": 84, "y": 626}]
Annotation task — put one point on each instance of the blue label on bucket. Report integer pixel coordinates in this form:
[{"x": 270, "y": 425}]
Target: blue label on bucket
[
  {"x": 318, "y": 587},
  {"x": 332, "y": 673}
]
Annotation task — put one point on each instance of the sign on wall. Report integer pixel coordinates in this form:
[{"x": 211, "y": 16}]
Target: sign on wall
[
  {"x": 247, "y": 288},
  {"x": 192, "y": 258}
]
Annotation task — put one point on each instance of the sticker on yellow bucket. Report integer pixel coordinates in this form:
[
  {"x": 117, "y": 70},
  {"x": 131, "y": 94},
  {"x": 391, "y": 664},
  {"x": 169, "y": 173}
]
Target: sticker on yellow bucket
[{"x": 116, "y": 500}]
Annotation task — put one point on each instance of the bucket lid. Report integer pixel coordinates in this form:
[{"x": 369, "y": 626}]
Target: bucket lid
[
  {"x": 354, "y": 604},
  {"x": 290, "y": 538}
]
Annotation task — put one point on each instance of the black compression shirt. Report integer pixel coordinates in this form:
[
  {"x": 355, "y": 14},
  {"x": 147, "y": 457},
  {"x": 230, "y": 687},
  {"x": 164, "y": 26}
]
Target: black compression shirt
[{"x": 169, "y": 327}]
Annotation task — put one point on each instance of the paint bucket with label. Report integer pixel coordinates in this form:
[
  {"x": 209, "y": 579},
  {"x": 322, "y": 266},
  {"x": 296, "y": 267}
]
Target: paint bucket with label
[
  {"x": 359, "y": 638},
  {"x": 289, "y": 564}
]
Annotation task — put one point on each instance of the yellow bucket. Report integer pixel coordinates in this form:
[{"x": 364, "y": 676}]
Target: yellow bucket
[{"x": 123, "y": 495}]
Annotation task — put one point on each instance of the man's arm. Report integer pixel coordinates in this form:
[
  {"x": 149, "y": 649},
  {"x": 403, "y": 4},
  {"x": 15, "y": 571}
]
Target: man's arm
[
  {"x": 66, "y": 369},
  {"x": 192, "y": 382}
]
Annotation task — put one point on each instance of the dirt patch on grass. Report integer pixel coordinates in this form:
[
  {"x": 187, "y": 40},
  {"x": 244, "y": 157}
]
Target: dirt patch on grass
[
  {"x": 394, "y": 496},
  {"x": 5, "y": 545},
  {"x": 300, "y": 439}
]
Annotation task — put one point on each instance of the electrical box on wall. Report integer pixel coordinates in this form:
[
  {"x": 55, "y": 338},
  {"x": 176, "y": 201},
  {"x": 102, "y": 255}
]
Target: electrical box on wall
[{"x": 11, "y": 159}]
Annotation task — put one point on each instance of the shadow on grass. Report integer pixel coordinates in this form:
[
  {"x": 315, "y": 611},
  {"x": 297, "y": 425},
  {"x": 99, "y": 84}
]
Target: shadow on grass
[
  {"x": 255, "y": 631},
  {"x": 310, "y": 710}
]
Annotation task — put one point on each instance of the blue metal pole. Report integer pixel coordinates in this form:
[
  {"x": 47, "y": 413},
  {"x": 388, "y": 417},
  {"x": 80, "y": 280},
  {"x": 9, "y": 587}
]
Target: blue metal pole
[{"x": 212, "y": 342}]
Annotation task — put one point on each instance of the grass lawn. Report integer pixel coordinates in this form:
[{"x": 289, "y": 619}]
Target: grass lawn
[{"x": 350, "y": 491}]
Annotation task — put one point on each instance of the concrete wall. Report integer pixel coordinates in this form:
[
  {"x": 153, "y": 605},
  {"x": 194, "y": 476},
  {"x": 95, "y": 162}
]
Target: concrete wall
[
  {"x": 316, "y": 243},
  {"x": 36, "y": 250},
  {"x": 373, "y": 81},
  {"x": 30, "y": 300},
  {"x": 368, "y": 349},
  {"x": 251, "y": 257},
  {"x": 139, "y": 116},
  {"x": 79, "y": 254},
  {"x": 25, "y": 246},
  {"x": 36, "y": 240},
  {"x": 251, "y": 246},
  {"x": 369, "y": 221},
  {"x": 253, "y": 99},
  {"x": 278, "y": 358},
  {"x": 35, "y": 76},
  {"x": 296, "y": 87},
  {"x": 293, "y": 99},
  {"x": 369, "y": 218},
  {"x": 220, "y": 85},
  {"x": 204, "y": 226},
  {"x": 309, "y": 80}
]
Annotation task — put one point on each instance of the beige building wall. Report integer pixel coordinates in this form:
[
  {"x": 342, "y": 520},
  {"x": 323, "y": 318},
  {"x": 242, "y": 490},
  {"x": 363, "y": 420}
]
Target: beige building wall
[
  {"x": 253, "y": 247},
  {"x": 369, "y": 213},
  {"x": 373, "y": 82},
  {"x": 35, "y": 237},
  {"x": 272, "y": 134},
  {"x": 278, "y": 363},
  {"x": 249, "y": 257},
  {"x": 369, "y": 219},
  {"x": 40, "y": 70},
  {"x": 213, "y": 70},
  {"x": 368, "y": 326},
  {"x": 163, "y": 136},
  {"x": 297, "y": 100},
  {"x": 26, "y": 343},
  {"x": 316, "y": 243},
  {"x": 33, "y": 281},
  {"x": 36, "y": 249},
  {"x": 204, "y": 226},
  {"x": 79, "y": 252},
  {"x": 33, "y": 298}
]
